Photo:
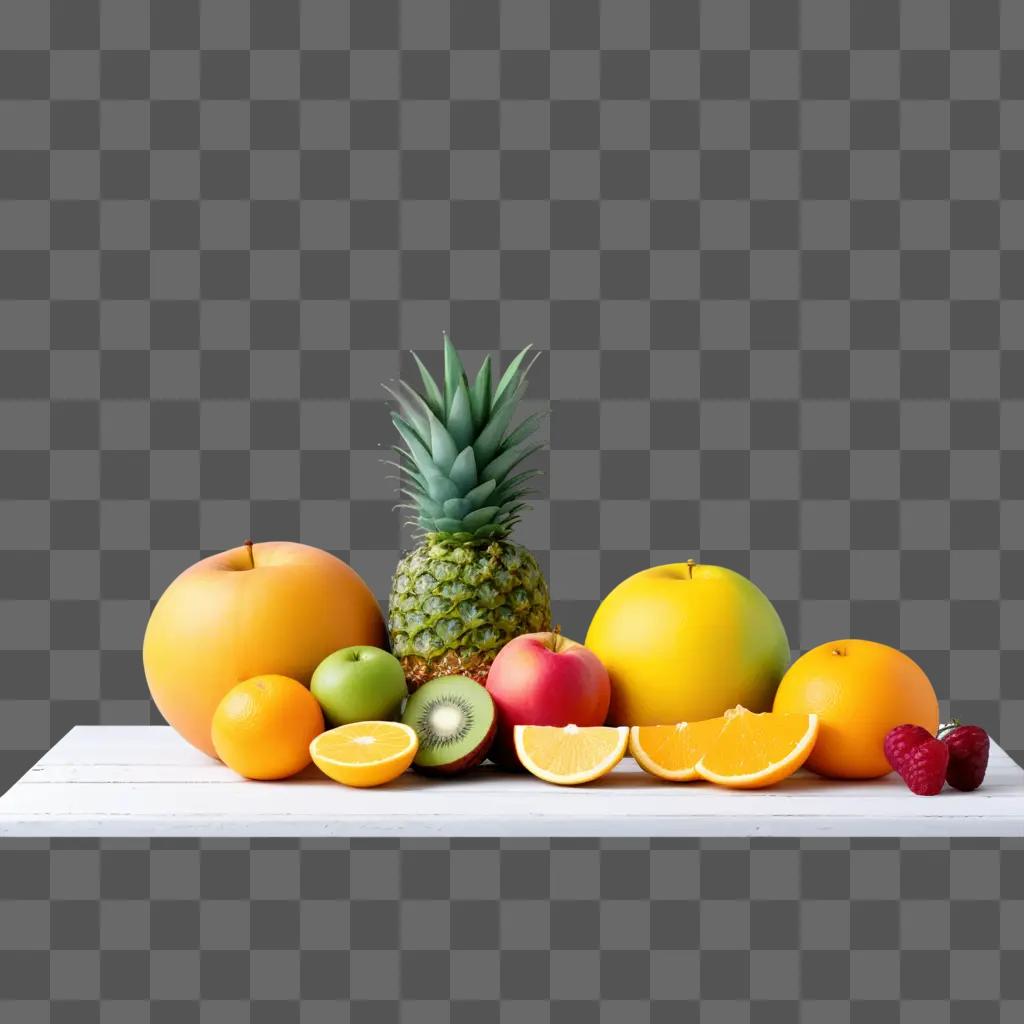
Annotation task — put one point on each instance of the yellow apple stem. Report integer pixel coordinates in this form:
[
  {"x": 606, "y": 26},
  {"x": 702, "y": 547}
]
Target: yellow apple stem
[{"x": 248, "y": 548}]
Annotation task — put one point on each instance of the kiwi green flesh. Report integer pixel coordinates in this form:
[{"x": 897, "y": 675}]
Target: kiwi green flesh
[{"x": 454, "y": 719}]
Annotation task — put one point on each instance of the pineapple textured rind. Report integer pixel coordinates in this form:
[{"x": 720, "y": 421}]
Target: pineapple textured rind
[{"x": 464, "y": 599}]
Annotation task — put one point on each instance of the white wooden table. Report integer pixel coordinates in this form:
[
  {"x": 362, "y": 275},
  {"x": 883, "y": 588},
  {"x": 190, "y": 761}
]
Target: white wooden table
[{"x": 145, "y": 781}]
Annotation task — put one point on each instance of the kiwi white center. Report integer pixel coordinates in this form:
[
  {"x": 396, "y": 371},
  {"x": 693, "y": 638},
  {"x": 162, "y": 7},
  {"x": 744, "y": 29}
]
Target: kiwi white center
[{"x": 445, "y": 720}]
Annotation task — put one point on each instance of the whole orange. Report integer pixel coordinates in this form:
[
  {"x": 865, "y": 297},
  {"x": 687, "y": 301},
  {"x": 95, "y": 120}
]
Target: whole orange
[
  {"x": 274, "y": 607},
  {"x": 263, "y": 727},
  {"x": 859, "y": 690}
]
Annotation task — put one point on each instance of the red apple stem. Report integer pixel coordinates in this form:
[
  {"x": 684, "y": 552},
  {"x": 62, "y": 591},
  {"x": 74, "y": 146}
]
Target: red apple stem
[
  {"x": 556, "y": 638},
  {"x": 248, "y": 548}
]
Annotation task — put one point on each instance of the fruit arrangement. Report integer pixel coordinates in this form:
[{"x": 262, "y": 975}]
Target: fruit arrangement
[{"x": 273, "y": 656}]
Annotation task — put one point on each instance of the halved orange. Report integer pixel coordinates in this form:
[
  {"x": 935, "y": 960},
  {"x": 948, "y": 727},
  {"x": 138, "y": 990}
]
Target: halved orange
[
  {"x": 672, "y": 751},
  {"x": 570, "y": 755},
  {"x": 365, "y": 753},
  {"x": 755, "y": 750}
]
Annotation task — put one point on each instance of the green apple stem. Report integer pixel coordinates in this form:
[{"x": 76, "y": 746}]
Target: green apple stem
[{"x": 248, "y": 549}]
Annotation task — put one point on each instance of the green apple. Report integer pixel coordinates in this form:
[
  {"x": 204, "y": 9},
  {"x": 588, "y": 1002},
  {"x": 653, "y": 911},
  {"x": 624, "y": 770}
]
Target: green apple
[{"x": 359, "y": 684}]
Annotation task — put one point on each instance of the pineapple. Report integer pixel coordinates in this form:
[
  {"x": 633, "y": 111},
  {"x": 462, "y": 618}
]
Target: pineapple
[{"x": 467, "y": 589}]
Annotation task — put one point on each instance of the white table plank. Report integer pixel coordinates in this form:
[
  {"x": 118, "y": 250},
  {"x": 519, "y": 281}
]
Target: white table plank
[{"x": 145, "y": 781}]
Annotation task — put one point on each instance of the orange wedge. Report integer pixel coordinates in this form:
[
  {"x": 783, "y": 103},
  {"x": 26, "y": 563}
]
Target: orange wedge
[
  {"x": 365, "y": 753},
  {"x": 672, "y": 751},
  {"x": 758, "y": 750},
  {"x": 571, "y": 755}
]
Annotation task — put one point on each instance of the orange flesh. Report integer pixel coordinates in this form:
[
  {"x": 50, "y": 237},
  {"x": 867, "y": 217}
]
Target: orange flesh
[
  {"x": 758, "y": 749},
  {"x": 566, "y": 755},
  {"x": 362, "y": 743},
  {"x": 675, "y": 748},
  {"x": 749, "y": 746},
  {"x": 570, "y": 755}
]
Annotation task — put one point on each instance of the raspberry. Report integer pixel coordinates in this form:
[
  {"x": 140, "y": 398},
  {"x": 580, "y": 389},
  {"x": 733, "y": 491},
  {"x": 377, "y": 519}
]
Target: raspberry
[
  {"x": 923, "y": 767},
  {"x": 901, "y": 739},
  {"x": 968, "y": 756}
]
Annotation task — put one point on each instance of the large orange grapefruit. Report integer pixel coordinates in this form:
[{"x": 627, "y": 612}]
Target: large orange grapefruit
[
  {"x": 273, "y": 608},
  {"x": 859, "y": 690}
]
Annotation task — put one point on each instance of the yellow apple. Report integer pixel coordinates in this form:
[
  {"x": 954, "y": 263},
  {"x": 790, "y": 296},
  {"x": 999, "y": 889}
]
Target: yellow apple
[{"x": 684, "y": 642}]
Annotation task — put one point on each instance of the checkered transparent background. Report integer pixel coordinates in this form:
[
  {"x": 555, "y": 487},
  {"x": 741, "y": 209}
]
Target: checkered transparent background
[{"x": 773, "y": 253}]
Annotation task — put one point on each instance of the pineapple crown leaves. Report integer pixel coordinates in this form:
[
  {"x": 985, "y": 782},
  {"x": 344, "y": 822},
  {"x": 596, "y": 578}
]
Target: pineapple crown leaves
[{"x": 460, "y": 447}]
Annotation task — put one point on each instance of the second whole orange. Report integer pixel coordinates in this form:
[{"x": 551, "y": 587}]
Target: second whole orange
[
  {"x": 262, "y": 728},
  {"x": 859, "y": 689}
]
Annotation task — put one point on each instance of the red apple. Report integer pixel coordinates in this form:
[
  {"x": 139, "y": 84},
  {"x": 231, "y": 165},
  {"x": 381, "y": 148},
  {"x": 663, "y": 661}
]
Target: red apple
[{"x": 545, "y": 679}]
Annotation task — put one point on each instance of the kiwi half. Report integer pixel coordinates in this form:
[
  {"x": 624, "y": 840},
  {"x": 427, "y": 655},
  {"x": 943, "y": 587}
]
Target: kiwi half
[{"x": 454, "y": 718}]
